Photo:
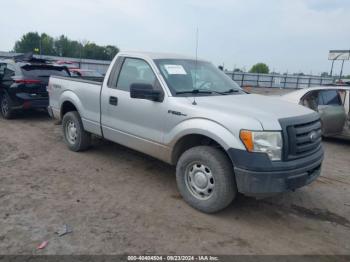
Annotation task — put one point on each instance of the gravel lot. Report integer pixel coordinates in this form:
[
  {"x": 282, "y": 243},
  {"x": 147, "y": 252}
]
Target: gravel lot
[{"x": 119, "y": 201}]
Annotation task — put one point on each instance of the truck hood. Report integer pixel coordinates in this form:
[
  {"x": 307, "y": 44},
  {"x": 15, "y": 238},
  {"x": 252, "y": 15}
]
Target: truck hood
[{"x": 266, "y": 110}]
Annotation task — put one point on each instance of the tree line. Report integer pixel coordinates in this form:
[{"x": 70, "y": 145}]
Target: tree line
[{"x": 45, "y": 44}]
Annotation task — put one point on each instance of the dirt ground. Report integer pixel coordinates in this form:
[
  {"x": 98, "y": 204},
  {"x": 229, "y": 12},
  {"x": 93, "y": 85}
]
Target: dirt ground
[{"x": 119, "y": 201}]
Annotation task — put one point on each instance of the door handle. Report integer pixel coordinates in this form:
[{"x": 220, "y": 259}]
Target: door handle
[{"x": 113, "y": 100}]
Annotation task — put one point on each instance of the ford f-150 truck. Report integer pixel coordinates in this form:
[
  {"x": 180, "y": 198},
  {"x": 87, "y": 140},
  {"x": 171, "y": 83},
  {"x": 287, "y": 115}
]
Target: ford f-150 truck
[{"x": 188, "y": 113}]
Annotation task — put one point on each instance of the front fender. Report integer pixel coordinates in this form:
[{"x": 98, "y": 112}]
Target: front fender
[{"x": 205, "y": 127}]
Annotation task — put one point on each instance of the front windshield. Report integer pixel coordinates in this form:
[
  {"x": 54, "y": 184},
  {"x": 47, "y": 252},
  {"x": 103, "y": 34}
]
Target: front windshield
[{"x": 189, "y": 77}]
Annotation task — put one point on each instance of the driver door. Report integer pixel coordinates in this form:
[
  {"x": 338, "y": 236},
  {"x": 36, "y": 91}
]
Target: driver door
[
  {"x": 332, "y": 112},
  {"x": 135, "y": 123}
]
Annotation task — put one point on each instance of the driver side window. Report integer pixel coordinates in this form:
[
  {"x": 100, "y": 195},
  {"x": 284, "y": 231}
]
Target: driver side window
[
  {"x": 311, "y": 100},
  {"x": 329, "y": 97},
  {"x": 135, "y": 71}
]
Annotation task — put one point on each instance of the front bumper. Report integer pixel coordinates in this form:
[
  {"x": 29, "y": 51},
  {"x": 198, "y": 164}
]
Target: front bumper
[{"x": 257, "y": 176}]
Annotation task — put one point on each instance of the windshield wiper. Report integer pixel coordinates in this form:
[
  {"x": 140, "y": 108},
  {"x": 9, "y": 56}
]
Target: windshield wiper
[
  {"x": 194, "y": 91},
  {"x": 230, "y": 91},
  {"x": 199, "y": 91}
]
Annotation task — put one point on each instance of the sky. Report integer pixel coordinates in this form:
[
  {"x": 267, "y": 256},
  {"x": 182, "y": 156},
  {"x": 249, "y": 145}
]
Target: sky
[{"x": 289, "y": 35}]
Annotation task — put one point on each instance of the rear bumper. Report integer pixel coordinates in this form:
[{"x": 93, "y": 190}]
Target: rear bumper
[
  {"x": 27, "y": 101},
  {"x": 55, "y": 114},
  {"x": 50, "y": 112},
  {"x": 257, "y": 176}
]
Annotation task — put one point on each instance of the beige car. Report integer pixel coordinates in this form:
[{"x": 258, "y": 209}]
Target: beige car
[{"x": 332, "y": 103}]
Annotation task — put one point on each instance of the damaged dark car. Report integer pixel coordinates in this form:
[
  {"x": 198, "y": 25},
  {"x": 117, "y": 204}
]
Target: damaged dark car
[{"x": 23, "y": 82}]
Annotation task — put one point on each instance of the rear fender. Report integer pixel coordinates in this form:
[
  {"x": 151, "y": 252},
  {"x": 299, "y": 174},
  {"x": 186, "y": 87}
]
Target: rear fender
[{"x": 69, "y": 96}]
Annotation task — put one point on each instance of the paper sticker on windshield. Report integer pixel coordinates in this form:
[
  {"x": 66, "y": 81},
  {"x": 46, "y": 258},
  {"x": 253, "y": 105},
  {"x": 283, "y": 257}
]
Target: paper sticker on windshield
[{"x": 175, "y": 69}]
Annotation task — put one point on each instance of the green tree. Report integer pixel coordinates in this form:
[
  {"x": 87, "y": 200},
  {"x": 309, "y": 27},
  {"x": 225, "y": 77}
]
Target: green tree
[
  {"x": 32, "y": 42},
  {"x": 29, "y": 42},
  {"x": 47, "y": 45},
  {"x": 111, "y": 51},
  {"x": 63, "y": 46},
  {"x": 66, "y": 47},
  {"x": 93, "y": 51},
  {"x": 260, "y": 68}
]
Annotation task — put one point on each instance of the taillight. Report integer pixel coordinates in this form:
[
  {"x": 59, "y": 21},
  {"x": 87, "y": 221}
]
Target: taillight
[{"x": 27, "y": 81}]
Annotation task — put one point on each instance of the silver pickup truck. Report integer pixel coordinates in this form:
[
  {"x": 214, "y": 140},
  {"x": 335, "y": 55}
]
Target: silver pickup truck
[{"x": 188, "y": 113}]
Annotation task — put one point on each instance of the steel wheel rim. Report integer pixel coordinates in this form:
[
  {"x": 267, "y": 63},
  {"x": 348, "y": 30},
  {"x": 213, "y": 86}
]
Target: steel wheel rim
[
  {"x": 71, "y": 132},
  {"x": 4, "y": 106},
  {"x": 199, "y": 181}
]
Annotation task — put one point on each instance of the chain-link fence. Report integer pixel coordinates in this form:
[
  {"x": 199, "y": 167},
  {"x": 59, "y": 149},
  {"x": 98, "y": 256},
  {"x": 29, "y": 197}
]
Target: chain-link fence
[
  {"x": 97, "y": 65},
  {"x": 278, "y": 81}
]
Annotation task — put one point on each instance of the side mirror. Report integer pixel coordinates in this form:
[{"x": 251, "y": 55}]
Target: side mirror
[{"x": 145, "y": 91}]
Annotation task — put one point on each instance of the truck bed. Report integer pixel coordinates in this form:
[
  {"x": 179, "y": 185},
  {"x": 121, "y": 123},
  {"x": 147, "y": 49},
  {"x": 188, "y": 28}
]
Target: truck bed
[
  {"x": 80, "y": 79},
  {"x": 89, "y": 78},
  {"x": 85, "y": 95}
]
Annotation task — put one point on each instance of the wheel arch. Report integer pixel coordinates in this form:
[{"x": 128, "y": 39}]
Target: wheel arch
[
  {"x": 192, "y": 140},
  {"x": 202, "y": 132},
  {"x": 69, "y": 102}
]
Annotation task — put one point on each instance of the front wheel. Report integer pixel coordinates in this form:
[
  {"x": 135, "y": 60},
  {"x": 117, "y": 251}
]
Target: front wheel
[
  {"x": 205, "y": 179},
  {"x": 76, "y": 138}
]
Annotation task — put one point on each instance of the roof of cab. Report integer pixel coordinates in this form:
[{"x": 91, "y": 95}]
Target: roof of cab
[
  {"x": 153, "y": 56},
  {"x": 295, "y": 96}
]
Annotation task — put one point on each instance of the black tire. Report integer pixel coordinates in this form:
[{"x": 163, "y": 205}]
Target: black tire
[
  {"x": 222, "y": 179},
  {"x": 82, "y": 139},
  {"x": 6, "y": 107}
]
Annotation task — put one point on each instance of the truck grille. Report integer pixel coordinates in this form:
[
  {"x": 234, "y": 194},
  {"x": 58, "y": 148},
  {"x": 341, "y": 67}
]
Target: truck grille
[{"x": 302, "y": 136}]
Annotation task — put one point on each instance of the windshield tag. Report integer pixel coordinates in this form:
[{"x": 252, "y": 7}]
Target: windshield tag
[{"x": 175, "y": 69}]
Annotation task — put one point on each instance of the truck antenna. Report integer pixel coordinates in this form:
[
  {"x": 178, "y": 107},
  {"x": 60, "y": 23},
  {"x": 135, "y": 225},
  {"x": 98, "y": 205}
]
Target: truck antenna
[
  {"x": 195, "y": 71},
  {"x": 197, "y": 42}
]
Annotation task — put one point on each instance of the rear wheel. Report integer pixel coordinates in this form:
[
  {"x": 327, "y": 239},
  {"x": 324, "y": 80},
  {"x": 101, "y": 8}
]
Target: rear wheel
[
  {"x": 76, "y": 138},
  {"x": 6, "y": 105},
  {"x": 205, "y": 179}
]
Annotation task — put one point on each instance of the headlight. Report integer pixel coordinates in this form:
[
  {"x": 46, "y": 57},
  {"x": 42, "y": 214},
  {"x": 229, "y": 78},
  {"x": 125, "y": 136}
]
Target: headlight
[{"x": 263, "y": 142}]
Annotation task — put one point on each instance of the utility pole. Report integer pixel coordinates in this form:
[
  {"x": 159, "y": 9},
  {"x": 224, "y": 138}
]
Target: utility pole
[
  {"x": 80, "y": 53},
  {"x": 332, "y": 68},
  {"x": 40, "y": 45},
  {"x": 341, "y": 71}
]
